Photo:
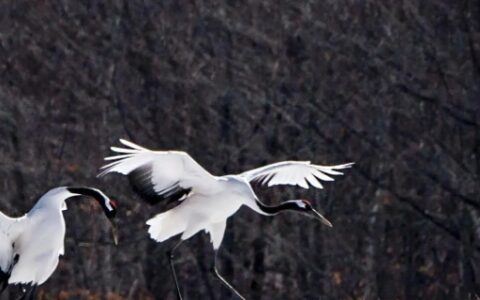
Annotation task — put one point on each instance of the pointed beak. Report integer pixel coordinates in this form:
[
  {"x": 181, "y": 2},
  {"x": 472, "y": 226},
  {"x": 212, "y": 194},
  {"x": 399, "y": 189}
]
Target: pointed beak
[
  {"x": 321, "y": 218},
  {"x": 114, "y": 232}
]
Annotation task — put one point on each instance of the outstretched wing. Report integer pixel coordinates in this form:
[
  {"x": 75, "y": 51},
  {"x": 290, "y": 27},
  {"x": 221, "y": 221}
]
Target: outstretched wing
[
  {"x": 301, "y": 173},
  {"x": 159, "y": 175}
]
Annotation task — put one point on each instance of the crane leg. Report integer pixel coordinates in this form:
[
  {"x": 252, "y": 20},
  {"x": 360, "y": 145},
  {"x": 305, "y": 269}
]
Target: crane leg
[
  {"x": 28, "y": 292},
  {"x": 31, "y": 293},
  {"x": 222, "y": 280},
  {"x": 172, "y": 268}
]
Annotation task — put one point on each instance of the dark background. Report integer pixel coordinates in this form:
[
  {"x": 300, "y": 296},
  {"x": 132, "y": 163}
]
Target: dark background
[{"x": 392, "y": 85}]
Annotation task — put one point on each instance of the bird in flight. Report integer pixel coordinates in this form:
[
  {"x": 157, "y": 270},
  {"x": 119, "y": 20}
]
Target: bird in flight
[
  {"x": 207, "y": 201},
  {"x": 30, "y": 245}
]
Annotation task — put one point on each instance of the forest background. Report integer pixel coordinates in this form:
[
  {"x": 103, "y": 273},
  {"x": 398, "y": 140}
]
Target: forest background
[{"x": 391, "y": 85}]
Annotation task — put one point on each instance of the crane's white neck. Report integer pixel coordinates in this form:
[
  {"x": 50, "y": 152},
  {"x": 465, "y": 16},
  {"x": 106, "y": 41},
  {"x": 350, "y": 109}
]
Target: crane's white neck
[{"x": 54, "y": 199}]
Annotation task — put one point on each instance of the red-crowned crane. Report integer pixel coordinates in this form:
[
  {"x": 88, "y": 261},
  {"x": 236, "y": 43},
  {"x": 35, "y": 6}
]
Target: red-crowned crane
[
  {"x": 207, "y": 201},
  {"x": 30, "y": 245}
]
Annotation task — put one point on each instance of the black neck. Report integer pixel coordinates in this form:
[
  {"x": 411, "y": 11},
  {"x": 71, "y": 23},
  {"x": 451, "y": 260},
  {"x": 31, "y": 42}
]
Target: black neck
[
  {"x": 97, "y": 195},
  {"x": 86, "y": 191},
  {"x": 275, "y": 209}
]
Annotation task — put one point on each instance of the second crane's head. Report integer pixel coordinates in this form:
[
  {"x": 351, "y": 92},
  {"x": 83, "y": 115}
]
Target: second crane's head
[
  {"x": 306, "y": 207},
  {"x": 108, "y": 205}
]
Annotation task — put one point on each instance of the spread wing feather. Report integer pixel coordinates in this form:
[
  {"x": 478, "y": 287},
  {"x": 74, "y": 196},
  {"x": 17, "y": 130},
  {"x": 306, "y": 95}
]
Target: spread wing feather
[
  {"x": 159, "y": 175},
  {"x": 301, "y": 173}
]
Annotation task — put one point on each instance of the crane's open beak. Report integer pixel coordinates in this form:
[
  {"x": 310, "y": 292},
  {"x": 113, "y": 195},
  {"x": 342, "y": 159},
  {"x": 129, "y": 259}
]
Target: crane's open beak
[
  {"x": 322, "y": 219},
  {"x": 114, "y": 231}
]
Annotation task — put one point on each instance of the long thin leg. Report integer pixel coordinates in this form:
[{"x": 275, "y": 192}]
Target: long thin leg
[
  {"x": 172, "y": 268},
  {"x": 34, "y": 292},
  {"x": 222, "y": 280},
  {"x": 28, "y": 292},
  {"x": 31, "y": 293}
]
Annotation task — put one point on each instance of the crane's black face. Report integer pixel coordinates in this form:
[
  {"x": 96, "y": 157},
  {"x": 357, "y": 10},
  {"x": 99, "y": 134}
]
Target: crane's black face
[
  {"x": 306, "y": 207},
  {"x": 108, "y": 205}
]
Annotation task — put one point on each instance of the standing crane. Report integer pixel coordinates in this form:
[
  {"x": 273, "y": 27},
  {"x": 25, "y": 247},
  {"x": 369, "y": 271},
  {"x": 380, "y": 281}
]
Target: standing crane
[
  {"x": 207, "y": 201},
  {"x": 30, "y": 245}
]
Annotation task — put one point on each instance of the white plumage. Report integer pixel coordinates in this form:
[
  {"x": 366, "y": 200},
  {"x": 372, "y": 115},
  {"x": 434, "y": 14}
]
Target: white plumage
[
  {"x": 301, "y": 173},
  {"x": 37, "y": 237},
  {"x": 30, "y": 245},
  {"x": 206, "y": 200}
]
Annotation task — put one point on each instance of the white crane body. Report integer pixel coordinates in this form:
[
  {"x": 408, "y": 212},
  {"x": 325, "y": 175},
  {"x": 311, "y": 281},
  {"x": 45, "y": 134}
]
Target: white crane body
[
  {"x": 195, "y": 213},
  {"x": 38, "y": 237},
  {"x": 31, "y": 244}
]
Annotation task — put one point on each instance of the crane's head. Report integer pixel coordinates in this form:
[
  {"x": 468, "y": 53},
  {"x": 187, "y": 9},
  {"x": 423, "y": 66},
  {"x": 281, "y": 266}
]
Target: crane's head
[
  {"x": 108, "y": 205},
  {"x": 306, "y": 207}
]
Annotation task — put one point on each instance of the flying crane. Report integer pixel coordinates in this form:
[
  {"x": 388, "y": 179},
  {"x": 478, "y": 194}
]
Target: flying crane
[{"x": 207, "y": 201}]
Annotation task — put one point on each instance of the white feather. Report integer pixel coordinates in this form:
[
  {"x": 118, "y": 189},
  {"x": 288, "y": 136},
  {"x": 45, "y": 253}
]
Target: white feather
[
  {"x": 314, "y": 181},
  {"x": 216, "y": 232},
  {"x": 132, "y": 145},
  {"x": 10, "y": 229},
  {"x": 165, "y": 225},
  {"x": 168, "y": 168},
  {"x": 300, "y": 173},
  {"x": 115, "y": 157}
]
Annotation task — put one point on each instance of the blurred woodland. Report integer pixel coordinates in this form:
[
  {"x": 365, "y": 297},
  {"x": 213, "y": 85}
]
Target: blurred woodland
[{"x": 391, "y": 85}]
